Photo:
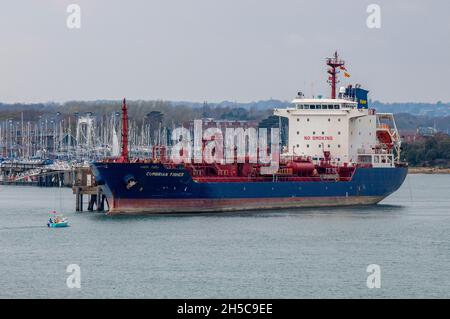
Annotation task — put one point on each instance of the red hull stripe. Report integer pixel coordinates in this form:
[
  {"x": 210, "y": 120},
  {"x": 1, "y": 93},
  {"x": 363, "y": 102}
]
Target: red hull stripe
[{"x": 142, "y": 206}]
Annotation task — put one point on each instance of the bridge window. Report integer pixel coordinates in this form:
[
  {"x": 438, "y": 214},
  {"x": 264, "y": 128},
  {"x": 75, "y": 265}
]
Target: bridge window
[
  {"x": 330, "y": 107},
  {"x": 324, "y": 107},
  {"x": 336, "y": 106},
  {"x": 312, "y": 107}
]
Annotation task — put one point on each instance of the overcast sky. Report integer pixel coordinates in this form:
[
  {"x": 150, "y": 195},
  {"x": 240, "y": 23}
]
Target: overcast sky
[{"x": 216, "y": 50}]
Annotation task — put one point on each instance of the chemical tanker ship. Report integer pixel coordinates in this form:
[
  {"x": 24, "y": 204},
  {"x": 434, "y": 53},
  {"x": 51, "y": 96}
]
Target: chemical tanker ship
[{"x": 339, "y": 152}]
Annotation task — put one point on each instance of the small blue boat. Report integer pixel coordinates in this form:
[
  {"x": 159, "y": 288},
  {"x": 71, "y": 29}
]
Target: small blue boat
[
  {"x": 60, "y": 224},
  {"x": 57, "y": 221}
]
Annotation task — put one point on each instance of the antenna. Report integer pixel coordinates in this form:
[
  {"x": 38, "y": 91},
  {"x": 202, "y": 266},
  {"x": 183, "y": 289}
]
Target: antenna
[{"x": 334, "y": 62}]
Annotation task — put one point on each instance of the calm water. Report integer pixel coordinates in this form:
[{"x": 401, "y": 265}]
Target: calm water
[{"x": 283, "y": 254}]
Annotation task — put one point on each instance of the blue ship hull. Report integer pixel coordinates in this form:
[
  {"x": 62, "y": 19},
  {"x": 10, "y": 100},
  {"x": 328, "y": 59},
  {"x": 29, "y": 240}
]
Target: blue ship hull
[{"x": 151, "y": 188}]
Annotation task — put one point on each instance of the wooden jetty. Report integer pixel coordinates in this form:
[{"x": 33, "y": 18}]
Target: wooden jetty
[
  {"x": 35, "y": 173},
  {"x": 40, "y": 173},
  {"x": 86, "y": 185}
]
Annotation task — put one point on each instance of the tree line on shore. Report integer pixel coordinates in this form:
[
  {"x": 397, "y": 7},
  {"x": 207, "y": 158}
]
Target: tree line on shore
[
  {"x": 431, "y": 151},
  {"x": 173, "y": 114}
]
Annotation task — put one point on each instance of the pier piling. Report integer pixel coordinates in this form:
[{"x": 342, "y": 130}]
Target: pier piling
[
  {"x": 85, "y": 185},
  {"x": 77, "y": 199}
]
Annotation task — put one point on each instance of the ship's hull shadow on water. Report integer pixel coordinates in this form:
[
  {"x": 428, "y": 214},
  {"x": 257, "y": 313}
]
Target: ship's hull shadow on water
[{"x": 374, "y": 210}]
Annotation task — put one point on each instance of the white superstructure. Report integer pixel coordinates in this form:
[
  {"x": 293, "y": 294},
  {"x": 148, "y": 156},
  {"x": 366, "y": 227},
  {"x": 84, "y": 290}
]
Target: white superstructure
[
  {"x": 337, "y": 125},
  {"x": 342, "y": 128}
]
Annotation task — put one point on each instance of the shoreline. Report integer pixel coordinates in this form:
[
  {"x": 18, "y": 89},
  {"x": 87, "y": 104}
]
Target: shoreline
[{"x": 428, "y": 170}]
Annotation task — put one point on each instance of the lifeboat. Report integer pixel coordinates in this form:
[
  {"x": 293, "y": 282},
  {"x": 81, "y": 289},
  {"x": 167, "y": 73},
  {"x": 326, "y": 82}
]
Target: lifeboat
[{"x": 384, "y": 135}]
